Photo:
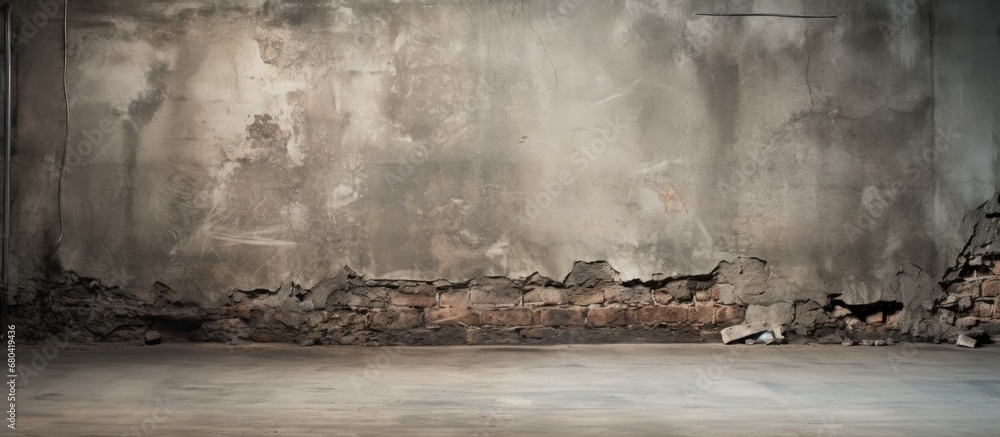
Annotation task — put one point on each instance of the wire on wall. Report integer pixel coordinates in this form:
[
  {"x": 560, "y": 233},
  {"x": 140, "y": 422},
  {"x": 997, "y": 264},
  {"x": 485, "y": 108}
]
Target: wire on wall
[{"x": 62, "y": 163}]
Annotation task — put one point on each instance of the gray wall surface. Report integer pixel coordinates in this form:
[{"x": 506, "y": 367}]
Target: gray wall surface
[{"x": 243, "y": 144}]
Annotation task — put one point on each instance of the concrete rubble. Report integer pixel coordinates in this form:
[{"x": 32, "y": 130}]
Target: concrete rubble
[{"x": 966, "y": 341}]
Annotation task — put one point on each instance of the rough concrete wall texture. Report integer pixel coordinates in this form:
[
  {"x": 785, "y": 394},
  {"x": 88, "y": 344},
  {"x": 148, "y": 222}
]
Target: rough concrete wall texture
[{"x": 246, "y": 144}]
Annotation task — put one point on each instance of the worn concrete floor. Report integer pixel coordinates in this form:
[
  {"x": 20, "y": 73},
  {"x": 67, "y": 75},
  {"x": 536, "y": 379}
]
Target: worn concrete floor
[{"x": 655, "y": 390}]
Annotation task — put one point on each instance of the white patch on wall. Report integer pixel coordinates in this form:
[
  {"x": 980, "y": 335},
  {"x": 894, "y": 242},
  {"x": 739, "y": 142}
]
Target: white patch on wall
[{"x": 340, "y": 196}]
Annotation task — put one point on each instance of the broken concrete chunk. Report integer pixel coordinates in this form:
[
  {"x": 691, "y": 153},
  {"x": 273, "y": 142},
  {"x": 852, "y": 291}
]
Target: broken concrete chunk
[
  {"x": 762, "y": 317},
  {"x": 153, "y": 337},
  {"x": 964, "y": 303},
  {"x": 739, "y": 332},
  {"x": 966, "y": 341},
  {"x": 590, "y": 274},
  {"x": 778, "y": 332}
]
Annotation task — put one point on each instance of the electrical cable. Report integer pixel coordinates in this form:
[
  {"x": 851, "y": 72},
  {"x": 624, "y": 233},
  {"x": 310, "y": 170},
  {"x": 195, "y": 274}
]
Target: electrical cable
[{"x": 62, "y": 164}]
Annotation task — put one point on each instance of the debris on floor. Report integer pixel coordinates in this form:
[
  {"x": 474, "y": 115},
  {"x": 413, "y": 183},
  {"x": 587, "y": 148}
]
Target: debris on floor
[
  {"x": 885, "y": 342},
  {"x": 153, "y": 337},
  {"x": 766, "y": 337},
  {"x": 752, "y": 334},
  {"x": 739, "y": 332},
  {"x": 966, "y": 341}
]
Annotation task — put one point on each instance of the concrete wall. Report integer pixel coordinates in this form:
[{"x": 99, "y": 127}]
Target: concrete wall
[{"x": 245, "y": 144}]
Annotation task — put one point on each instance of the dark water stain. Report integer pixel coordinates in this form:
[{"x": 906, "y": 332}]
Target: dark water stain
[
  {"x": 142, "y": 109},
  {"x": 720, "y": 84},
  {"x": 265, "y": 130},
  {"x": 295, "y": 13}
]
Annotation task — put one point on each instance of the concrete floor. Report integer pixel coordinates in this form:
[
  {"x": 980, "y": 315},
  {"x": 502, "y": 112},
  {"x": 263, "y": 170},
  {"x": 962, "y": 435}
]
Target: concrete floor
[{"x": 655, "y": 390}]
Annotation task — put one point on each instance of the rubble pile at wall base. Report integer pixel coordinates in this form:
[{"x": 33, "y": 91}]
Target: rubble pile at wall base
[{"x": 591, "y": 305}]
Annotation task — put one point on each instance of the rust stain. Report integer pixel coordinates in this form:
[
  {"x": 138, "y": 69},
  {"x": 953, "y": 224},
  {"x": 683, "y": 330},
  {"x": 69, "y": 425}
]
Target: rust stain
[
  {"x": 669, "y": 197},
  {"x": 834, "y": 113}
]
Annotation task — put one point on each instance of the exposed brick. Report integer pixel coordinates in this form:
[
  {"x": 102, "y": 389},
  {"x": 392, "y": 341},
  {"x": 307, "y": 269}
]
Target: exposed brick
[
  {"x": 704, "y": 295},
  {"x": 500, "y": 297},
  {"x": 455, "y": 298},
  {"x": 983, "y": 310},
  {"x": 412, "y": 300},
  {"x": 584, "y": 296},
  {"x": 877, "y": 317},
  {"x": 702, "y": 314},
  {"x": 493, "y": 292},
  {"x": 663, "y": 314},
  {"x": 387, "y": 320},
  {"x": 600, "y": 316},
  {"x": 560, "y": 316},
  {"x": 661, "y": 296},
  {"x": 637, "y": 296},
  {"x": 545, "y": 296},
  {"x": 508, "y": 317},
  {"x": 450, "y": 317},
  {"x": 966, "y": 288},
  {"x": 991, "y": 288},
  {"x": 362, "y": 297},
  {"x": 729, "y": 314}
]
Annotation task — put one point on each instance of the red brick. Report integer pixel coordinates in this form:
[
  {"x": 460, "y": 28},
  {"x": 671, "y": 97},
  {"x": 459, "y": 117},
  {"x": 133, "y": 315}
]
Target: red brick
[
  {"x": 455, "y": 298},
  {"x": 500, "y": 297},
  {"x": 877, "y": 317},
  {"x": 704, "y": 295},
  {"x": 661, "y": 296},
  {"x": 560, "y": 316},
  {"x": 511, "y": 317},
  {"x": 412, "y": 300},
  {"x": 606, "y": 316},
  {"x": 983, "y": 310},
  {"x": 450, "y": 317},
  {"x": 635, "y": 296},
  {"x": 991, "y": 288},
  {"x": 714, "y": 292},
  {"x": 729, "y": 314},
  {"x": 545, "y": 296},
  {"x": 702, "y": 314},
  {"x": 584, "y": 296},
  {"x": 663, "y": 314}
]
